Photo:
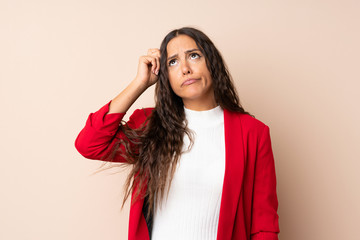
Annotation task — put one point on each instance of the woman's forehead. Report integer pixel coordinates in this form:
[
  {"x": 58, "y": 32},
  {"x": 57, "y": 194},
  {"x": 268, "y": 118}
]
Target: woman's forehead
[{"x": 180, "y": 44}]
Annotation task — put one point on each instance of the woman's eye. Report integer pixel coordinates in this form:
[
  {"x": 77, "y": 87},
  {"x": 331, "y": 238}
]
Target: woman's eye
[
  {"x": 194, "y": 55},
  {"x": 171, "y": 62}
]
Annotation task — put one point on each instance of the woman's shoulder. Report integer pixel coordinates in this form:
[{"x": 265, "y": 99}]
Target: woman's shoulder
[{"x": 248, "y": 122}]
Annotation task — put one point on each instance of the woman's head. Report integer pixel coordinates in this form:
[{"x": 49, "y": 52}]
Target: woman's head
[
  {"x": 188, "y": 74},
  {"x": 204, "y": 64}
]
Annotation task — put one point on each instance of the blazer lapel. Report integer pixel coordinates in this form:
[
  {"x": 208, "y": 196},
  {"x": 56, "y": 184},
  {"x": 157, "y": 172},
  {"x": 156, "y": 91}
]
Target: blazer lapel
[{"x": 234, "y": 172}]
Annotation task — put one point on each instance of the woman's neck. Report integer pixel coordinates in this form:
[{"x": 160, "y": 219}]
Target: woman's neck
[{"x": 200, "y": 105}]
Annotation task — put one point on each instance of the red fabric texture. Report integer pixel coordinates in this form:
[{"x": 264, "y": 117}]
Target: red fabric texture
[{"x": 249, "y": 203}]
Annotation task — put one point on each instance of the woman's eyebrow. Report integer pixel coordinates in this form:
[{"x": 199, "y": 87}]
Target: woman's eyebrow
[{"x": 187, "y": 51}]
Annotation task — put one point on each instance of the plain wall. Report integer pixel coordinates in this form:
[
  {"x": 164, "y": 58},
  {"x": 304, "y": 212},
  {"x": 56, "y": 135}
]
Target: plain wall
[{"x": 295, "y": 65}]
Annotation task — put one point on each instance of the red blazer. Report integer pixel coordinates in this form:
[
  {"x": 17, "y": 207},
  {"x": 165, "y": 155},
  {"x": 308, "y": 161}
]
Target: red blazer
[{"x": 249, "y": 201}]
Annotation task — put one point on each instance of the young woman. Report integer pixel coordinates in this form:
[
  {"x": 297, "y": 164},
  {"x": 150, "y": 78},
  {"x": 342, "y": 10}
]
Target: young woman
[{"x": 198, "y": 145}]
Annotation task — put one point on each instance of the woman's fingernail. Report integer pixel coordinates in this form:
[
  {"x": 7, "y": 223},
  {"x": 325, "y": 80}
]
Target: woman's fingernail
[{"x": 157, "y": 72}]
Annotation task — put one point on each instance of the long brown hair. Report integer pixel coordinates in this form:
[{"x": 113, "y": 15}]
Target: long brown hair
[{"x": 155, "y": 149}]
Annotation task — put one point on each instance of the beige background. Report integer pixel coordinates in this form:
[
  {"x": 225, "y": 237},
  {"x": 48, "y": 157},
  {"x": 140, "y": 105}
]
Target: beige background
[{"x": 296, "y": 68}]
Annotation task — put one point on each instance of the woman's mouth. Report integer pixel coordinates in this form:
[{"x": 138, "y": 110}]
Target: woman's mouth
[{"x": 189, "y": 81}]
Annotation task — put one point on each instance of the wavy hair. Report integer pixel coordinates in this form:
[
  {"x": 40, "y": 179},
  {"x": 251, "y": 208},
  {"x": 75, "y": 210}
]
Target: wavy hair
[{"x": 155, "y": 148}]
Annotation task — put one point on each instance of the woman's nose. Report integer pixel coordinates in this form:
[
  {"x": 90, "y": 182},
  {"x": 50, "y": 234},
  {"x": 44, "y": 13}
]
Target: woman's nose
[{"x": 185, "y": 68}]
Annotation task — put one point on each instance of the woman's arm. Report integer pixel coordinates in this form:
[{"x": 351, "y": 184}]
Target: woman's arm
[
  {"x": 101, "y": 132},
  {"x": 98, "y": 137}
]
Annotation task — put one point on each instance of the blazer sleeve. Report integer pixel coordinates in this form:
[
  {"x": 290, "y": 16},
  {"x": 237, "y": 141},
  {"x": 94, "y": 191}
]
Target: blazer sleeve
[
  {"x": 102, "y": 132},
  {"x": 265, "y": 225}
]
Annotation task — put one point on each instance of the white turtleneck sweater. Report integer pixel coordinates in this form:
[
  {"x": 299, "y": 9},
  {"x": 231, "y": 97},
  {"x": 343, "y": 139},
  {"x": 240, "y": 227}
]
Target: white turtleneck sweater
[{"x": 191, "y": 211}]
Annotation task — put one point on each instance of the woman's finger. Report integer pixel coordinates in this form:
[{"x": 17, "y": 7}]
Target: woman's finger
[
  {"x": 154, "y": 52},
  {"x": 153, "y": 63}
]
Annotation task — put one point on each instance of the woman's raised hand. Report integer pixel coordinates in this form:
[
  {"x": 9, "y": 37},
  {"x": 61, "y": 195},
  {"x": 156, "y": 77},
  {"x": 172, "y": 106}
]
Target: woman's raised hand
[
  {"x": 147, "y": 75},
  {"x": 148, "y": 68}
]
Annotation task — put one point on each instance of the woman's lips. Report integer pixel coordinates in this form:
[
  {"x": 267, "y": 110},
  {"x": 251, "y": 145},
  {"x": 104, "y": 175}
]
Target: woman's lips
[{"x": 189, "y": 81}]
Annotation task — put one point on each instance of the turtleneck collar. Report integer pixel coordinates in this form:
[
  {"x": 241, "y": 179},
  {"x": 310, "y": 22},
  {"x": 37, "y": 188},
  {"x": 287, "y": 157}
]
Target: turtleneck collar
[{"x": 204, "y": 118}]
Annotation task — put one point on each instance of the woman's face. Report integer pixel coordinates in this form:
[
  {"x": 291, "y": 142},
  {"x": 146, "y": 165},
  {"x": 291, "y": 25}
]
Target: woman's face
[{"x": 189, "y": 76}]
